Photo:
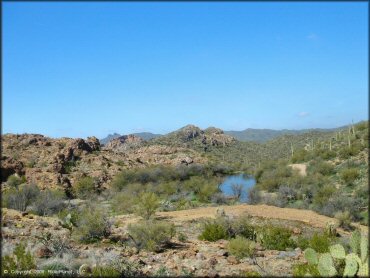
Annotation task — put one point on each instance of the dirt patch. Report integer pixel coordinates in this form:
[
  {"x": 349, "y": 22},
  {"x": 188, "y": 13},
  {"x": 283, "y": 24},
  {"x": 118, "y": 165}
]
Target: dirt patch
[{"x": 300, "y": 167}]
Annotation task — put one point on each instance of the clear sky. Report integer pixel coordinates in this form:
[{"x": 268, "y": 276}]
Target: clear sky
[{"x": 81, "y": 69}]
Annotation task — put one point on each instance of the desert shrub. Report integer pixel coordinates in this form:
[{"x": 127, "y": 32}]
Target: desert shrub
[
  {"x": 56, "y": 244},
  {"x": 320, "y": 242},
  {"x": 325, "y": 154},
  {"x": 347, "y": 152},
  {"x": 269, "y": 184},
  {"x": 241, "y": 247},
  {"x": 349, "y": 175},
  {"x": 93, "y": 224},
  {"x": 14, "y": 180},
  {"x": 243, "y": 227},
  {"x": 323, "y": 194},
  {"x": 276, "y": 238},
  {"x": 151, "y": 235},
  {"x": 300, "y": 155},
  {"x": 213, "y": 231},
  {"x": 287, "y": 193},
  {"x": 182, "y": 237},
  {"x": 55, "y": 266},
  {"x": 123, "y": 203},
  {"x": 73, "y": 218},
  {"x": 344, "y": 220},
  {"x": 19, "y": 260},
  {"x": 49, "y": 202},
  {"x": 105, "y": 271},
  {"x": 69, "y": 165},
  {"x": 322, "y": 167},
  {"x": 85, "y": 187},
  {"x": 302, "y": 242},
  {"x": 21, "y": 197},
  {"x": 254, "y": 195},
  {"x": 117, "y": 268},
  {"x": 207, "y": 190},
  {"x": 219, "y": 198},
  {"x": 146, "y": 204},
  {"x": 300, "y": 270},
  {"x": 237, "y": 190}
]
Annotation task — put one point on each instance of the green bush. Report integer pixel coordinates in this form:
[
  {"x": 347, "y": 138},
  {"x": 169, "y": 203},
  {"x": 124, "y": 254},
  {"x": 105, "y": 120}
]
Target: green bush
[
  {"x": 49, "y": 202},
  {"x": 20, "y": 197},
  {"x": 276, "y": 238},
  {"x": 322, "y": 167},
  {"x": 123, "y": 202},
  {"x": 151, "y": 235},
  {"x": 146, "y": 204},
  {"x": 241, "y": 247},
  {"x": 85, "y": 187},
  {"x": 344, "y": 219},
  {"x": 93, "y": 224},
  {"x": 117, "y": 268},
  {"x": 300, "y": 270},
  {"x": 320, "y": 242},
  {"x": 300, "y": 155},
  {"x": 349, "y": 175},
  {"x": 242, "y": 227},
  {"x": 213, "y": 231},
  {"x": 19, "y": 260},
  {"x": 14, "y": 180}
]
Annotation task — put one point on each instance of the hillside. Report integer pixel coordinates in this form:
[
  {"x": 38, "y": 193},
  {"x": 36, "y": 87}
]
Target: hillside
[
  {"x": 264, "y": 135},
  {"x": 142, "y": 135},
  {"x": 336, "y": 183}
]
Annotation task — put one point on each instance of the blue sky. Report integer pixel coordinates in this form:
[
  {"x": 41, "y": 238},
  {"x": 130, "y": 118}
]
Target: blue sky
[{"x": 81, "y": 69}]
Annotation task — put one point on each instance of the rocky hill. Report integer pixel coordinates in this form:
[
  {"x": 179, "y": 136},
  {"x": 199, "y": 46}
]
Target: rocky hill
[
  {"x": 142, "y": 135},
  {"x": 50, "y": 162}
]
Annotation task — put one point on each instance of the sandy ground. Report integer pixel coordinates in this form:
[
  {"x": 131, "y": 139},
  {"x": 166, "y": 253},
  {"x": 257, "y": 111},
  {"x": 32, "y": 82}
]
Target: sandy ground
[
  {"x": 306, "y": 216},
  {"x": 300, "y": 167}
]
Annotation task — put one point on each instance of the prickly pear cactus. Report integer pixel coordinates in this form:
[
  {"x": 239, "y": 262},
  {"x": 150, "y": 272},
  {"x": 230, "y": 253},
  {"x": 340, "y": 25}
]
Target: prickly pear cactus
[
  {"x": 311, "y": 256},
  {"x": 354, "y": 242},
  {"x": 351, "y": 266},
  {"x": 337, "y": 251},
  {"x": 364, "y": 248},
  {"x": 326, "y": 265},
  {"x": 363, "y": 271}
]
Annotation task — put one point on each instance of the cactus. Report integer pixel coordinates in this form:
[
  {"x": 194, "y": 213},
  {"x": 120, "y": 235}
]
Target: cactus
[
  {"x": 355, "y": 263},
  {"x": 351, "y": 266},
  {"x": 326, "y": 265},
  {"x": 354, "y": 242},
  {"x": 363, "y": 270},
  {"x": 364, "y": 245},
  {"x": 337, "y": 251},
  {"x": 311, "y": 256}
]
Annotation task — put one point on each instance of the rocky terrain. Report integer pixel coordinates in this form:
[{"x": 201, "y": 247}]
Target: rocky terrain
[
  {"x": 186, "y": 257},
  {"x": 50, "y": 162}
]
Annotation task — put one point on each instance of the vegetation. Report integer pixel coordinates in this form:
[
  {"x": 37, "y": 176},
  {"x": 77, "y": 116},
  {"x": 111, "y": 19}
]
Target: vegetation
[
  {"x": 85, "y": 187},
  {"x": 336, "y": 174},
  {"x": 93, "y": 225},
  {"x": 241, "y": 247},
  {"x": 276, "y": 238},
  {"x": 336, "y": 262},
  {"x": 151, "y": 235},
  {"x": 19, "y": 260}
]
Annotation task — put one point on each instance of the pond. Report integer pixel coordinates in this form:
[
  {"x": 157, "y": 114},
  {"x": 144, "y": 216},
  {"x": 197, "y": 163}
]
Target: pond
[{"x": 245, "y": 181}]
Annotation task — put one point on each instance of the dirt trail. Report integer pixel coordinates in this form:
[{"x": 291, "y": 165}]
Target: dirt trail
[
  {"x": 300, "y": 167},
  {"x": 305, "y": 216}
]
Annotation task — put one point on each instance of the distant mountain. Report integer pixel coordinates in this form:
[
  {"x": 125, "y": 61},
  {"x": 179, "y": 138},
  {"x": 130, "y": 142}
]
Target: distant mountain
[
  {"x": 264, "y": 135},
  {"x": 142, "y": 135}
]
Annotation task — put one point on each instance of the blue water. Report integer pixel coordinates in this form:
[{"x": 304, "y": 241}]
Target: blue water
[{"x": 246, "y": 181}]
